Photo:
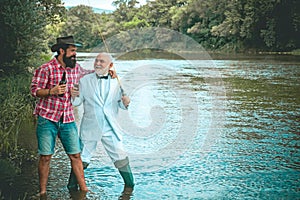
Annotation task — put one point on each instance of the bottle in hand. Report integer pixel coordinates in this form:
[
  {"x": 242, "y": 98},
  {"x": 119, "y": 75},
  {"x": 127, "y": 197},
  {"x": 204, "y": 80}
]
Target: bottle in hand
[{"x": 63, "y": 81}]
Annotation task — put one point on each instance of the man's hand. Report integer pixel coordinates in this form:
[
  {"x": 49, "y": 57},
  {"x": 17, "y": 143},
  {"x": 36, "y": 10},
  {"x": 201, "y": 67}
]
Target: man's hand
[
  {"x": 126, "y": 101},
  {"x": 74, "y": 92},
  {"x": 58, "y": 89},
  {"x": 112, "y": 73}
]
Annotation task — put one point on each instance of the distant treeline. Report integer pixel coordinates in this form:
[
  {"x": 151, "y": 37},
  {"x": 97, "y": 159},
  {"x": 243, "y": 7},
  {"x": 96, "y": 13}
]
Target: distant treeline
[{"x": 29, "y": 27}]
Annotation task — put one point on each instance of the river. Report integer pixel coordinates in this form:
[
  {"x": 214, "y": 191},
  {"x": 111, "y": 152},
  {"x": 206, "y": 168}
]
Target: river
[{"x": 201, "y": 129}]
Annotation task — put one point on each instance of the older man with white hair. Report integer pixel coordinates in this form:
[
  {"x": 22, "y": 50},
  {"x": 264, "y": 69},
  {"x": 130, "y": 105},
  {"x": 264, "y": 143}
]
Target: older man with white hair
[{"x": 102, "y": 97}]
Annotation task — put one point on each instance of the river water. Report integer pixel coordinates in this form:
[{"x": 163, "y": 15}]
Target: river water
[{"x": 201, "y": 129}]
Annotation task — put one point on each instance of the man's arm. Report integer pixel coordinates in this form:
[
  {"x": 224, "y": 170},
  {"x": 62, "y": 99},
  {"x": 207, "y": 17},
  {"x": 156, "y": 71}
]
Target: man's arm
[
  {"x": 124, "y": 101},
  {"x": 39, "y": 82}
]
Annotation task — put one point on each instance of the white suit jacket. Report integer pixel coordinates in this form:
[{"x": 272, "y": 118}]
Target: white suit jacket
[{"x": 93, "y": 105}]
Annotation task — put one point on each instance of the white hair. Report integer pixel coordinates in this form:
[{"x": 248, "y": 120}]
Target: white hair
[{"x": 111, "y": 59}]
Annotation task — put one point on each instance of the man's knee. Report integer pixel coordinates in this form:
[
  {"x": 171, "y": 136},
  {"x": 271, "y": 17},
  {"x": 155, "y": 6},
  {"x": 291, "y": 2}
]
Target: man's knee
[
  {"x": 121, "y": 163},
  {"x": 75, "y": 157},
  {"x": 45, "y": 158}
]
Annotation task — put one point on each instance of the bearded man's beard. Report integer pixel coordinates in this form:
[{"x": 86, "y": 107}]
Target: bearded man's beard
[{"x": 69, "y": 61}]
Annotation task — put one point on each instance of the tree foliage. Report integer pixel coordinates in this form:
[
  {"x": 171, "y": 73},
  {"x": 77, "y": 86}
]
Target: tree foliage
[
  {"x": 28, "y": 27},
  {"x": 236, "y": 25},
  {"x": 267, "y": 24},
  {"x": 23, "y": 31}
]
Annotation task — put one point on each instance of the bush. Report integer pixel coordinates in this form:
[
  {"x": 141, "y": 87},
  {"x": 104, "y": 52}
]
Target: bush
[{"x": 16, "y": 107}]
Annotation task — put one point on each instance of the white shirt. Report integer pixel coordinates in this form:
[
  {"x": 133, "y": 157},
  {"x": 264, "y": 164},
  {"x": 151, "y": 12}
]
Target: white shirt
[{"x": 103, "y": 86}]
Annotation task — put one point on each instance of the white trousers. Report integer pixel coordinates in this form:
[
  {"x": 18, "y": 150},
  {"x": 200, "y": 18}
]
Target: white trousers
[{"x": 113, "y": 147}]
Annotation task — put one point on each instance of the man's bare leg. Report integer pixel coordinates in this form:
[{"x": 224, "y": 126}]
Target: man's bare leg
[
  {"x": 44, "y": 168},
  {"x": 77, "y": 167}
]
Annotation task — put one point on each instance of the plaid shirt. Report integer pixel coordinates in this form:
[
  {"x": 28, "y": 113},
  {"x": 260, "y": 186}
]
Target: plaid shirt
[{"x": 48, "y": 76}]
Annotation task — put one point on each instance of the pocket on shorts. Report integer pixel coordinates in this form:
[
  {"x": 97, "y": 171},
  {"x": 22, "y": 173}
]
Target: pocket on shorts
[{"x": 41, "y": 121}]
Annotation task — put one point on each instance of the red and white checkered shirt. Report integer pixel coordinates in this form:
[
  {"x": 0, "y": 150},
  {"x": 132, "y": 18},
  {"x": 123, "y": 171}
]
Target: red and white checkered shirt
[{"x": 48, "y": 76}]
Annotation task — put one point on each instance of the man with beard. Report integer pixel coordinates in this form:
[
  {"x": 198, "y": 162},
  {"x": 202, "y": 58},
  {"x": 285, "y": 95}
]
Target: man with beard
[{"x": 54, "y": 111}]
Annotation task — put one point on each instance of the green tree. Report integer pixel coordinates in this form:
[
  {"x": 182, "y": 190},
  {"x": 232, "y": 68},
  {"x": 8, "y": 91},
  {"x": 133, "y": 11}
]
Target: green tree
[
  {"x": 125, "y": 10},
  {"x": 226, "y": 25},
  {"x": 23, "y": 31},
  {"x": 264, "y": 24},
  {"x": 197, "y": 18},
  {"x": 87, "y": 27},
  {"x": 135, "y": 23},
  {"x": 284, "y": 25},
  {"x": 158, "y": 13}
]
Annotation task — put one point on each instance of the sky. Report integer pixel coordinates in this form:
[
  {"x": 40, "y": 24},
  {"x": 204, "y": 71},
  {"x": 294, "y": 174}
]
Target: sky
[{"x": 104, "y": 4}]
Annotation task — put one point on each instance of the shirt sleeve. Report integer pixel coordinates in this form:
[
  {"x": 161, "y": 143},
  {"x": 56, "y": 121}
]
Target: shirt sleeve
[{"x": 39, "y": 80}]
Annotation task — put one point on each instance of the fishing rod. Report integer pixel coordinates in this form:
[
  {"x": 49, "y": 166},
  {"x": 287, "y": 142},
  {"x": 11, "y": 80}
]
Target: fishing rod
[{"x": 107, "y": 50}]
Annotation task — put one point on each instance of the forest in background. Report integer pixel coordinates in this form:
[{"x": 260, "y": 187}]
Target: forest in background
[
  {"x": 227, "y": 25},
  {"x": 28, "y": 28}
]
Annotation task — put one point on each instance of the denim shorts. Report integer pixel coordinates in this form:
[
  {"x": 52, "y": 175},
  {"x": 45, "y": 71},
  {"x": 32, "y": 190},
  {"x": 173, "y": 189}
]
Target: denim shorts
[{"x": 47, "y": 132}]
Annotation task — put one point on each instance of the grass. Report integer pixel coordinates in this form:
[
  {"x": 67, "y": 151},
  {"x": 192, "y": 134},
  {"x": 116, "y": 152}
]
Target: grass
[
  {"x": 16, "y": 107},
  {"x": 16, "y": 130}
]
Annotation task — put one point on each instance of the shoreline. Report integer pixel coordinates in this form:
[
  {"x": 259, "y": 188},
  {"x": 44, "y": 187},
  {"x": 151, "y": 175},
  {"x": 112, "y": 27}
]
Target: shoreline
[{"x": 148, "y": 54}]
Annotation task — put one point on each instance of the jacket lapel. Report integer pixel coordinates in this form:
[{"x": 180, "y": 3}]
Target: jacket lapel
[{"x": 111, "y": 89}]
